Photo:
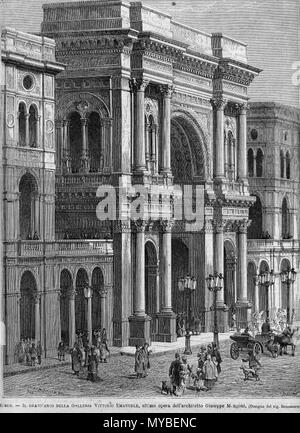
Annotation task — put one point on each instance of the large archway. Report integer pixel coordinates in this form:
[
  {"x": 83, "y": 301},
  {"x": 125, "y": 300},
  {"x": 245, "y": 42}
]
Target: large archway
[
  {"x": 28, "y": 209},
  {"x": 151, "y": 274},
  {"x": 80, "y": 301},
  {"x": 97, "y": 285},
  {"x": 28, "y": 317},
  {"x": 66, "y": 284}
]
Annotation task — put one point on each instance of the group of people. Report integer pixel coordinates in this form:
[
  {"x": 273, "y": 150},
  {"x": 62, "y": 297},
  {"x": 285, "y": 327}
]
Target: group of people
[
  {"x": 84, "y": 354},
  {"x": 29, "y": 353},
  {"x": 181, "y": 373},
  {"x": 142, "y": 360}
]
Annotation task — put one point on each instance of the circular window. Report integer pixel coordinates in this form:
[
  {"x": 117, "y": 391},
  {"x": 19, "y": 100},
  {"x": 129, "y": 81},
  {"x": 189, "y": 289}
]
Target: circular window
[
  {"x": 28, "y": 82},
  {"x": 254, "y": 134}
]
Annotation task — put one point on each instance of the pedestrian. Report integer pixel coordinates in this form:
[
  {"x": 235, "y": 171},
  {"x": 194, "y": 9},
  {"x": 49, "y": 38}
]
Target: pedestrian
[
  {"x": 33, "y": 353},
  {"x": 138, "y": 364},
  {"x": 39, "y": 351},
  {"x": 92, "y": 365},
  {"x": 174, "y": 374},
  {"x": 146, "y": 358},
  {"x": 209, "y": 372},
  {"x": 61, "y": 351},
  {"x": 199, "y": 381},
  {"x": 216, "y": 357},
  {"x": 27, "y": 352},
  {"x": 202, "y": 356},
  {"x": 186, "y": 372},
  {"x": 76, "y": 359},
  {"x": 103, "y": 351}
]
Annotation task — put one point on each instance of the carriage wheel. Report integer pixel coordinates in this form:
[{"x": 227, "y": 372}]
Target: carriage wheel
[
  {"x": 257, "y": 350},
  {"x": 234, "y": 351}
]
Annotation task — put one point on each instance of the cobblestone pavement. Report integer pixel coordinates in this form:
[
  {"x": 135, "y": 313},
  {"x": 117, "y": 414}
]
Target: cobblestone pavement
[{"x": 280, "y": 377}]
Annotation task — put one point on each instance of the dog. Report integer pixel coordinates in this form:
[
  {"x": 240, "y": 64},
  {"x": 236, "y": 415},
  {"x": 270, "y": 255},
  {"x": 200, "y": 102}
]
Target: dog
[{"x": 166, "y": 388}]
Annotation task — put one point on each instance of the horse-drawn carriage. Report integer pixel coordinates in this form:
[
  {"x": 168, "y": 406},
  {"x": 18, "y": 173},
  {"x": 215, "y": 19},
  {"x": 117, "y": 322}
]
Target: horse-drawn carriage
[{"x": 257, "y": 344}]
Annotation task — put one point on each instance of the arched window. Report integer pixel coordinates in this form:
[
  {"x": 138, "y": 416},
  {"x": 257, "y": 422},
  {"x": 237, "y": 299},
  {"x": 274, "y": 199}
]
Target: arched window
[
  {"x": 95, "y": 142},
  {"x": 33, "y": 121},
  {"x": 259, "y": 163},
  {"x": 255, "y": 215},
  {"x": 151, "y": 144},
  {"x": 281, "y": 164},
  {"x": 75, "y": 138},
  {"x": 28, "y": 207},
  {"x": 22, "y": 124},
  {"x": 250, "y": 163},
  {"x": 285, "y": 222},
  {"x": 288, "y": 165}
]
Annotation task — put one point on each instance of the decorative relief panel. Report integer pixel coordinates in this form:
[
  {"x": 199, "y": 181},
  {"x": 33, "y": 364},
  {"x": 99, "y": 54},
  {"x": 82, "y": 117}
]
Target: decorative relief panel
[
  {"x": 10, "y": 78},
  {"x": 49, "y": 86}
]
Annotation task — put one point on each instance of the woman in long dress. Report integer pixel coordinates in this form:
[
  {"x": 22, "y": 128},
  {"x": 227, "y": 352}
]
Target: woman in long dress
[
  {"x": 76, "y": 359},
  {"x": 139, "y": 359},
  {"x": 209, "y": 372}
]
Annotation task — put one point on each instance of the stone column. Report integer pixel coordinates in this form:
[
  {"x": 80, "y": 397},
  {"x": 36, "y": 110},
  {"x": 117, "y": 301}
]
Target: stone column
[
  {"x": 139, "y": 321},
  {"x": 219, "y": 255},
  {"x": 167, "y": 92},
  {"x": 242, "y": 145},
  {"x": 256, "y": 294},
  {"x": 89, "y": 314},
  {"x": 166, "y": 317},
  {"x": 218, "y": 107},
  {"x": 37, "y": 131},
  {"x": 147, "y": 144},
  {"x": 140, "y": 157},
  {"x": 243, "y": 305},
  {"x": 37, "y": 317},
  {"x": 103, "y": 296},
  {"x": 227, "y": 160},
  {"x": 85, "y": 166},
  {"x": 72, "y": 323},
  {"x": 27, "y": 129}
]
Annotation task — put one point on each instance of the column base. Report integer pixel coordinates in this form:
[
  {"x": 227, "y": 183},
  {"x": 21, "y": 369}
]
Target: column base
[
  {"x": 166, "y": 327},
  {"x": 139, "y": 330},
  {"x": 243, "y": 313}
]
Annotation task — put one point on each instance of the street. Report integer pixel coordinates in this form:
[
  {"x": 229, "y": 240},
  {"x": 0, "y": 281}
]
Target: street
[{"x": 280, "y": 377}]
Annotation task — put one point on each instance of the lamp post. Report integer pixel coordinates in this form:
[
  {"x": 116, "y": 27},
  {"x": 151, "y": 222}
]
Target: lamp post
[
  {"x": 266, "y": 279},
  {"x": 188, "y": 285},
  {"x": 88, "y": 293},
  {"x": 288, "y": 277},
  {"x": 214, "y": 284}
]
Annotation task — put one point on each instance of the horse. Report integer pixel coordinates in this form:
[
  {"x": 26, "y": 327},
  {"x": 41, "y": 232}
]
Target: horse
[{"x": 287, "y": 340}]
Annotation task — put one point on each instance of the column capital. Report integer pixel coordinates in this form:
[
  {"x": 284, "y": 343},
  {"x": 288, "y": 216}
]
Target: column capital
[
  {"x": 243, "y": 225},
  {"x": 218, "y": 103},
  {"x": 138, "y": 84},
  {"x": 122, "y": 226},
  {"x": 167, "y": 90},
  {"x": 139, "y": 225},
  {"x": 37, "y": 297},
  {"x": 242, "y": 108},
  {"x": 103, "y": 291},
  {"x": 166, "y": 225},
  {"x": 71, "y": 294},
  {"x": 82, "y": 107},
  {"x": 219, "y": 224}
]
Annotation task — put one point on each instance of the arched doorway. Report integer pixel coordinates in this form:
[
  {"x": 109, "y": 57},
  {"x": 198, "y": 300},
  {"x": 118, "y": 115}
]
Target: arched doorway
[
  {"x": 28, "y": 206},
  {"x": 251, "y": 276},
  {"x": 97, "y": 285},
  {"x": 180, "y": 268},
  {"x": 255, "y": 215},
  {"x": 263, "y": 298},
  {"x": 28, "y": 317},
  {"x": 66, "y": 284},
  {"x": 229, "y": 276},
  {"x": 151, "y": 268},
  {"x": 80, "y": 301}
]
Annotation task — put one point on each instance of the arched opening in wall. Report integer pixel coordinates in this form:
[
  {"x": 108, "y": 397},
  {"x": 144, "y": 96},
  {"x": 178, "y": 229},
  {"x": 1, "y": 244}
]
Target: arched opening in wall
[
  {"x": 263, "y": 297},
  {"x": 187, "y": 152},
  {"x": 250, "y": 159},
  {"x": 251, "y": 276},
  {"x": 151, "y": 275},
  {"x": 80, "y": 301},
  {"x": 288, "y": 165},
  {"x": 259, "y": 163},
  {"x": 22, "y": 124},
  {"x": 181, "y": 303},
  {"x": 28, "y": 207},
  {"x": 66, "y": 285},
  {"x": 33, "y": 120},
  {"x": 75, "y": 140},
  {"x": 282, "y": 164},
  {"x": 285, "y": 220},
  {"x": 28, "y": 290},
  {"x": 97, "y": 286},
  {"x": 95, "y": 144},
  {"x": 255, "y": 216},
  {"x": 229, "y": 277}
]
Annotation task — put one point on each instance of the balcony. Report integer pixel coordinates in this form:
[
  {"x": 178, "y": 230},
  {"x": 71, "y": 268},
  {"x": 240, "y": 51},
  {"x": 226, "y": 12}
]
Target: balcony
[
  {"x": 260, "y": 245},
  {"x": 64, "y": 248}
]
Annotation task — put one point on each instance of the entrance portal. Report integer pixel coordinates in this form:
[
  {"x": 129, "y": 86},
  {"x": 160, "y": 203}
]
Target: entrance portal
[{"x": 27, "y": 305}]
